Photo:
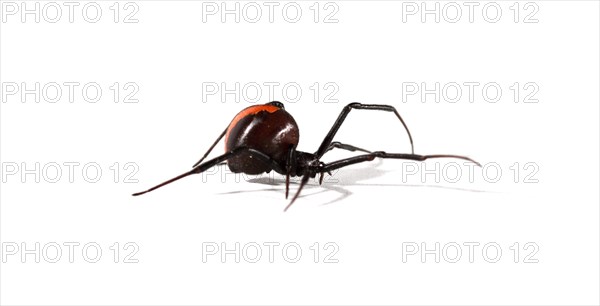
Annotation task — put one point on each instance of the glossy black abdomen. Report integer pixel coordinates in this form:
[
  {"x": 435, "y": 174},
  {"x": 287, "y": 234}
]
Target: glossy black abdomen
[{"x": 265, "y": 129}]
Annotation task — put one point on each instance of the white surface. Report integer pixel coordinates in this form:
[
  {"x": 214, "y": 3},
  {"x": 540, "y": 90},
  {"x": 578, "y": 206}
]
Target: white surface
[{"x": 369, "y": 213}]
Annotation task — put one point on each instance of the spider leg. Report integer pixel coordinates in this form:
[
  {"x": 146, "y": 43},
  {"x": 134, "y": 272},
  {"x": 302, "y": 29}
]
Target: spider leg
[
  {"x": 302, "y": 183},
  {"x": 288, "y": 169},
  {"x": 210, "y": 149},
  {"x": 338, "y": 123},
  {"x": 343, "y": 146},
  {"x": 369, "y": 157},
  {"x": 218, "y": 160}
]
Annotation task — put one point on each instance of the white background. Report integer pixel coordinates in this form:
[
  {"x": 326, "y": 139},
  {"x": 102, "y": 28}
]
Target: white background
[{"x": 367, "y": 210}]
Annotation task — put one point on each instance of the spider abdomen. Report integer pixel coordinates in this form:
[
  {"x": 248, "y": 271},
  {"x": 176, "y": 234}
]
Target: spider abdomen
[{"x": 266, "y": 128}]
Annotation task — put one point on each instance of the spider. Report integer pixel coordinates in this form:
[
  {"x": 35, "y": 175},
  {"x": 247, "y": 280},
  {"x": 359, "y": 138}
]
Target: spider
[{"x": 263, "y": 138}]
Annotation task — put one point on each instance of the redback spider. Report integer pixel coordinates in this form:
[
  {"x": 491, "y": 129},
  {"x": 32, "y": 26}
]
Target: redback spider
[{"x": 264, "y": 137}]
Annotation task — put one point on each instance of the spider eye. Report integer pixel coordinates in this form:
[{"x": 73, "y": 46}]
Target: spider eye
[{"x": 277, "y": 104}]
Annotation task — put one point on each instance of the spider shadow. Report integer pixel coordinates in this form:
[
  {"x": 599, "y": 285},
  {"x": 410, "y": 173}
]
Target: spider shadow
[
  {"x": 339, "y": 182},
  {"x": 330, "y": 183}
]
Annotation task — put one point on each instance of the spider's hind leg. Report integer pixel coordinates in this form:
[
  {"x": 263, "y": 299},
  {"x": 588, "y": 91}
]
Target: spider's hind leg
[{"x": 217, "y": 161}]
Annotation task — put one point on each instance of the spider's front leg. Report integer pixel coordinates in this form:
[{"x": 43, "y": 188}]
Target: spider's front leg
[
  {"x": 316, "y": 167},
  {"x": 343, "y": 146},
  {"x": 369, "y": 157},
  {"x": 326, "y": 144}
]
